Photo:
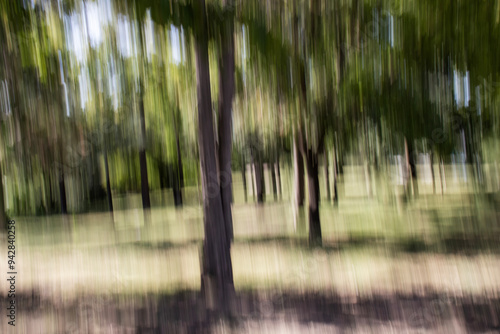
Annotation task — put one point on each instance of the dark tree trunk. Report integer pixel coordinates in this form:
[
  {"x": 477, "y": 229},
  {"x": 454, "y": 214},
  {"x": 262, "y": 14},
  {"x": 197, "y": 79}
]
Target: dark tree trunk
[
  {"x": 298, "y": 164},
  {"x": 96, "y": 189},
  {"x": 313, "y": 184},
  {"x": 335, "y": 176},
  {"x": 259, "y": 180},
  {"x": 176, "y": 188},
  {"x": 217, "y": 278},
  {"x": 108, "y": 183},
  {"x": 327, "y": 178},
  {"x": 442, "y": 176},
  {"x": 51, "y": 205},
  {"x": 162, "y": 174},
  {"x": 273, "y": 181},
  {"x": 244, "y": 178},
  {"x": 226, "y": 93},
  {"x": 413, "y": 167},
  {"x": 62, "y": 193},
  {"x": 252, "y": 181},
  {"x": 368, "y": 178},
  {"x": 179, "y": 174},
  {"x": 431, "y": 162},
  {"x": 146, "y": 202},
  {"x": 278, "y": 176},
  {"x": 178, "y": 170}
]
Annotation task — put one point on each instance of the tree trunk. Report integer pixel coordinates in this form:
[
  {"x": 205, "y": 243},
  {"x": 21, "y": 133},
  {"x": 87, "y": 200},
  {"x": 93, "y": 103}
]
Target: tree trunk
[
  {"x": 244, "y": 178},
  {"x": 176, "y": 187},
  {"x": 368, "y": 179},
  {"x": 226, "y": 93},
  {"x": 179, "y": 180},
  {"x": 298, "y": 164},
  {"x": 431, "y": 162},
  {"x": 259, "y": 180},
  {"x": 178, "y": 170},
  {"x": 162, "y": 174},
  {"x": 51, "y": 206},
  {"x": 315, "y": 238},
  {"x": 412, "y": 167},
  {"x": 442, "y": 176},
  {"x": 273, "y": 181},
  {"x": 62, "y": 193},
  {"x": 96, "y": 189},
  {"x": 146, "y": 202},
  {"x": 108, "y": 183},
  {"x": 278, "y": 176},
  {"x": 252, "y": 181},
  {"x": 217, "y": 278},
  {"x": 335, "y": 175}
]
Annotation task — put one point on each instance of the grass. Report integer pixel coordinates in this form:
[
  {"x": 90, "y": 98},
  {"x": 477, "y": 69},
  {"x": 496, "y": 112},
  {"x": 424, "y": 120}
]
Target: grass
[{"x": 434, "y": 244}]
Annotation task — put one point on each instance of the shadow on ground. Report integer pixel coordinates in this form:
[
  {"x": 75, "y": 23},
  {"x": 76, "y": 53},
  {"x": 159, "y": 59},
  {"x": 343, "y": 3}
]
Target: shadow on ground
[{"x": 184, "y": 312}]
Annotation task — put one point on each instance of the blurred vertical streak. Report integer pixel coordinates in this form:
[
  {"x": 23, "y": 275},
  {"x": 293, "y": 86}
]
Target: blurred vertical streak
[
  {"x": 298, "y": 164},
  {"x": 146, "y": 202},
  {"x": 62, "y": 191},
  {"x": 217, "y": 271},
  {"x": 108, "y": 183},
  {"x": 3, "y": 216},
  {"x": 327, "y": 176},
  {"x": 179, "y": 176},
  {"x": 226, "y": 94}
]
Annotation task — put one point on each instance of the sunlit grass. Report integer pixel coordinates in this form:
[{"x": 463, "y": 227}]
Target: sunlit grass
[{"x": 372, "y": 245}]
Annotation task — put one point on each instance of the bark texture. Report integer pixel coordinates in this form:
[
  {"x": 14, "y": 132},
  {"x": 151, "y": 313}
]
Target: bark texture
[
  {"x": 217, "y": 277},
  {"x": 146, "y": 202},
  {"x": 62, "y": 193},
  {"x": 298, "y": 163},
  {"x": 226, "y": 93}
]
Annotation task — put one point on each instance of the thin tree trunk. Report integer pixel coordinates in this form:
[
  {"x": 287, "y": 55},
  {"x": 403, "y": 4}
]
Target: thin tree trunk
[
  {"x": 315, "y": 238},
  {"x": 431, "y": 161},
  {"x": 62, "y": 193},
  {"x": 412, "y": 167},
  {"x": 298, "y": 164},
  {"x": 217, "y": 278},
  {"x": 259, "y": 180},
  {"x": 162, "y": 174},
  {"x": 108, "y": 182},
  {"x": 327, "y": 178},
  {"x": 335, "y": 175},
  {"x": 408, "y": 170},
  {"x": 50, "y": 203},
  {"x": 442, "y": 176},
  {"x": 179, "y": 173},
  {"x": 146, "y": 202},
  {"x": 176, "y": 188},
  {"x": 226, "y": 93},
  {"x": 278, "y": 176},
  {"x": 252, "y": 181},
  {"x": 244, "y": 178},
  {"x": 273, "y": 181},
  {"x": 366, "y": 167}
]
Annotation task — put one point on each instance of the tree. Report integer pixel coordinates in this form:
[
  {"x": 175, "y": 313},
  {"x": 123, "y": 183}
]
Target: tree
[{"x": 217, "y": 275}]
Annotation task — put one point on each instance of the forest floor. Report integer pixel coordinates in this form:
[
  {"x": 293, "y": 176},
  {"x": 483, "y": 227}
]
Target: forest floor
[
  {"x": 431, "y": 265},
  {"x": 260, "y": 312}
]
